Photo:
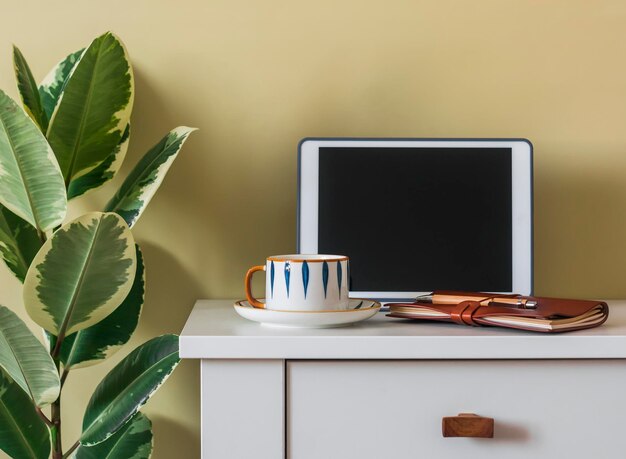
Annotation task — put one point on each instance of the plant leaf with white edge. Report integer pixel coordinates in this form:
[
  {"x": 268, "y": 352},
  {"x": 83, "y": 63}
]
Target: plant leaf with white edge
[
  {"x": 128, "y": 387},
  {"x": 25, "y": 360},
  {"x": 19, "y": 242},
  {"x": 23, "y": 434},
  {"x": 31, "y": 185},
  {"x": 92, "y": 345},
  {"x": 28, "y": 90},
  {"x": 134, "y": 440},
  {"x": 94, "y": 108},
  {"x": 103, "y": 172},
  {"x": 81, "y": 274},
  {"x": 52, "y": 85},
  {"x": 144, "y": 180}
]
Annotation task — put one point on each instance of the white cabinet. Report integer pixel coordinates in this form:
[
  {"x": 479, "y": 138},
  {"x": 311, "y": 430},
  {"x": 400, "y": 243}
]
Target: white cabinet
[{"x": 380, "y": 389}]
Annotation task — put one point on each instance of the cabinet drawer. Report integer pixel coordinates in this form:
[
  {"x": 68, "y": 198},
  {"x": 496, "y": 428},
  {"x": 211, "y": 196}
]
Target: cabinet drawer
[{"x": 394, "y": 409}]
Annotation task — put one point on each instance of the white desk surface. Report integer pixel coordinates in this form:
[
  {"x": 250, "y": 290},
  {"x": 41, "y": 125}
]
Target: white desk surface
[{"x": 215, "y": 331}]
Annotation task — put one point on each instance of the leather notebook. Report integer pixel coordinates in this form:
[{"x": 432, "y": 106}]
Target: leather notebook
[{"x": 548, "y": 315}]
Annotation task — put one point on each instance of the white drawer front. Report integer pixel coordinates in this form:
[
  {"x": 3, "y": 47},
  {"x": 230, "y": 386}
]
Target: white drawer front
[{"x": 393, "y": 409}]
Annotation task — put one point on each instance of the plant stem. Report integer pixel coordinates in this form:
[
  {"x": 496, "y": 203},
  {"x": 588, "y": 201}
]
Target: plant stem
[
  {"x": 57, "y": 446},
  {"x": 55, "y": 429},
  {"x": 71, "y": 450},
  {"x": 56, "y": 349},
  {"x": 64, "y": 376}
]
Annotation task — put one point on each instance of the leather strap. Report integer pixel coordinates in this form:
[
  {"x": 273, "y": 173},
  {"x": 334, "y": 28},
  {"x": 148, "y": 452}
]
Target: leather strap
[{"x": 463, "y": 313}]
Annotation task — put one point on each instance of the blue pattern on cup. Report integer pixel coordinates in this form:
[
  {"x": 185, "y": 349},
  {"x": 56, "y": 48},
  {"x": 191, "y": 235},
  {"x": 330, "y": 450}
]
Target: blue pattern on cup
[
  {"x": 339, "y": 276},
  {"x": 287, "y": 275},
  {"x": 325, "y": 277},
  {"x": 272, "y": 278},
  {"x": 305, "y": 277}
]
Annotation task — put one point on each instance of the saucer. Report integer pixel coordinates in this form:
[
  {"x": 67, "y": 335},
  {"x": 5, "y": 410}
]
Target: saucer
[{"x": 358, "y": 310}]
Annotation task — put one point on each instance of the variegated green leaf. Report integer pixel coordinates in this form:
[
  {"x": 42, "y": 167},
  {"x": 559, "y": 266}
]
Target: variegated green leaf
[
  {"x": 81, "y": 274},
  {"x": 28, "y": 90},
  {"x": 92, "y": 345},
  {"x": 52, "y": 85},
  {"x": 102, "y": 173},
  {"x": 23, "y": 434},
  {"x": 94, "y": 108},
  {"x": 19, "y": 242},
  {"x": 128, "y": 387},
  {"x": 31, "y": 185},
  {"x": 50, "y": 91},
  {"x": 143, "y": 181},
  {"x": 26, "y": 360},
  {"x": 133, "y": 441}
]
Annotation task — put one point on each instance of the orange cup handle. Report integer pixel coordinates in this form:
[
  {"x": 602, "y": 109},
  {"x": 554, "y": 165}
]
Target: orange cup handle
[{"x": 252, "y": 300}]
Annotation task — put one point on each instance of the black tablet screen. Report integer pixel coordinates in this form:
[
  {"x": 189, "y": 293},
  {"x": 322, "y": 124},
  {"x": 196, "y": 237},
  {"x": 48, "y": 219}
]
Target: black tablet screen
[{"x": 418, "y": 219}]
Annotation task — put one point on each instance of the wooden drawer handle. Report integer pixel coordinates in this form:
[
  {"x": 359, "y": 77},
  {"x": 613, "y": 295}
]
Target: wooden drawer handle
[{"x": 467, "y": 425}]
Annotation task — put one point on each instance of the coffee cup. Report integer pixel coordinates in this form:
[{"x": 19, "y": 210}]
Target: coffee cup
[{"x": 302, "y": 283}]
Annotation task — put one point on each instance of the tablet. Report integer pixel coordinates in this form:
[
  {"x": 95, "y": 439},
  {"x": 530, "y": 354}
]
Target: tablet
[{"x": 417, "y": 215}]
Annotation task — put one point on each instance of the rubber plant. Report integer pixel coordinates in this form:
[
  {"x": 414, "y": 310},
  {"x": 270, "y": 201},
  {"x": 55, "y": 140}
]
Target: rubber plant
[{"x": 83, "y": 280}]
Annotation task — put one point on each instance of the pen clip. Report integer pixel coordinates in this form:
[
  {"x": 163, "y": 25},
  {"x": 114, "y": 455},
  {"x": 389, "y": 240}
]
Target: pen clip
[{"x": 521, "y": 304}]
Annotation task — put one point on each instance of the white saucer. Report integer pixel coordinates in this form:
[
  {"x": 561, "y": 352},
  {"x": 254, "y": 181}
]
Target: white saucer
[{"x": 359, "y": 309}]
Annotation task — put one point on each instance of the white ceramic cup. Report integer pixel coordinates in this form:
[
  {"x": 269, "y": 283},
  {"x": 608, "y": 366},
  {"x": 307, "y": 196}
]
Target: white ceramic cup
[{"x": 302, "y": 283}]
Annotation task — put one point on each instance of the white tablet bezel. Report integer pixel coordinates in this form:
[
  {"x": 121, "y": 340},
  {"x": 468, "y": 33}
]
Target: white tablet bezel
[{"x": 522, "y": 205}]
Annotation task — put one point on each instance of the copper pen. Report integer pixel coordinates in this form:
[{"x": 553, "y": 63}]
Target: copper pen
[{"x": 485, "y": 300}]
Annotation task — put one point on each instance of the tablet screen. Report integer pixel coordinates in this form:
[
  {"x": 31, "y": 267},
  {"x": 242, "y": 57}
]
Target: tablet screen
[{"x": 418, "y": 219}]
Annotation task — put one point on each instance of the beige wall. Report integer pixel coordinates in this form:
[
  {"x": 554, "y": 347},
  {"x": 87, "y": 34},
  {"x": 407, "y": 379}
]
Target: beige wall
[{"x": 256, "y": 76}]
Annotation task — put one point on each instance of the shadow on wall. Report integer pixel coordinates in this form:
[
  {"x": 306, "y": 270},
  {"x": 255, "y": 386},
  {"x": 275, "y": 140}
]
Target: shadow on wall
[
  {"x": 191, "y": 210},
  {"x": 170, "y": 294},
  {"x": 153, "y": 113},
  {"x": 172, "y": 440},
  {"x": 170, "y": 291}
]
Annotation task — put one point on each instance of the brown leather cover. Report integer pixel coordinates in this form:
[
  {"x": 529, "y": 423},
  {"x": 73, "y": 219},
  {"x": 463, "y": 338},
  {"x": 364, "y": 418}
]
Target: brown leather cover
[{"x": 473, "y": 313}]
